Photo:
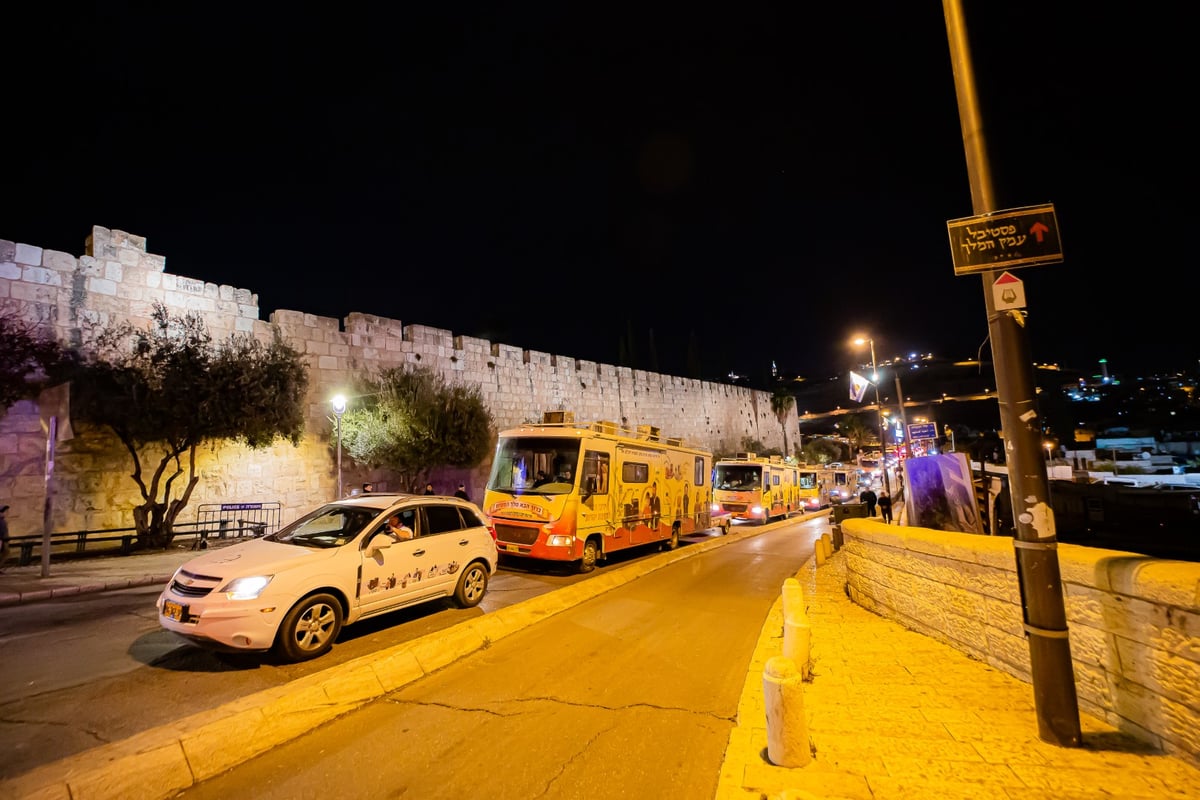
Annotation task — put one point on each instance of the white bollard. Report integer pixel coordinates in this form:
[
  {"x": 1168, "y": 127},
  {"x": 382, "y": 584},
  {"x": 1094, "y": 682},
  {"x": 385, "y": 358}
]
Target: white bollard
[
  {"x": 787, "y": 729},
  {"x": 797, "y": 643},
  {"x": 793, "y": 600}
]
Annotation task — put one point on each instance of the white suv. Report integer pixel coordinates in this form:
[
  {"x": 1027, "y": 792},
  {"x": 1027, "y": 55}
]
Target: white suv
[{"x": 292, "y": 591}]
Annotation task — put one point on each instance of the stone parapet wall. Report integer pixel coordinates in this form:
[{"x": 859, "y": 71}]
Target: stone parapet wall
[
  {"x": 117, "y": 279},
  {"x": 1134, "y": 621}
]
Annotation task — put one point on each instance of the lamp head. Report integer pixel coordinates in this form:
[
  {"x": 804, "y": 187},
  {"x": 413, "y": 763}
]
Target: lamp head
[{"x": 339, "y": 404}]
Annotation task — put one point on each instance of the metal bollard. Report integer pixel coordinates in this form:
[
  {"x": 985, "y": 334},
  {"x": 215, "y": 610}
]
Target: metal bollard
[
  {"x": 838, "y": 539},
  {"x": 787, "y": 728}
]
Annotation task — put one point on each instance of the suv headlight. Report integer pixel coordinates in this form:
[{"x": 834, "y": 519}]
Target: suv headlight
[{"x": 246, "y": 588}]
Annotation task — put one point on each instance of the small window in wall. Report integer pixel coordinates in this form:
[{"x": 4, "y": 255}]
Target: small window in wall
[
  {"x": 633, "y": 472},
  {"x": 698, "y": 472}
]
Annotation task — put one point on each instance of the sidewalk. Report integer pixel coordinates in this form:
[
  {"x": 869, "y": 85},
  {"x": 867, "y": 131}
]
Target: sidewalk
[
  {"x": 891, "y": 713},
  {"x": 894, "y": 714},
  {"x": 89, "y": 574}
]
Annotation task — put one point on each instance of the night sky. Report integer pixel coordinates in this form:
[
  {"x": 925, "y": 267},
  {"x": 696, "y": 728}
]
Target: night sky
[{"x": 756, "y": 181}]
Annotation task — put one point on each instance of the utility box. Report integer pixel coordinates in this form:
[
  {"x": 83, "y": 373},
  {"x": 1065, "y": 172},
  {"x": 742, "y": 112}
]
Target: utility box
[
  {"x": 648, "y": 432},
  {"x": 847, "y": 511}
]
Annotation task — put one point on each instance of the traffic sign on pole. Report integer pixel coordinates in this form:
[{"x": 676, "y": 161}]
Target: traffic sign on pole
[
  {"x": 1019, "y": 237},
  {"x": 1008, "y": 292},
  {"x": 922, "y": 430}
]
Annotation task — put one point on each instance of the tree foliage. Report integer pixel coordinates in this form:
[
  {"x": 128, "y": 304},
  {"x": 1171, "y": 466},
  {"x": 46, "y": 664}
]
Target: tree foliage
[
  {"x": 858, "y": 432},
  {"x": 782, "y": 402},
  {"x": 823, "y": 450},
  {"x": 167, "y": 389},
  {"x": 27, "y": 357},
  {"x": 410, "y": 421}
]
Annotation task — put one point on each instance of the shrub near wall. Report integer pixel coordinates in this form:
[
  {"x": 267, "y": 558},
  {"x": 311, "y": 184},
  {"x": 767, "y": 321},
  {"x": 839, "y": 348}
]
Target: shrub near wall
[{"x": 1134, "y": 621}]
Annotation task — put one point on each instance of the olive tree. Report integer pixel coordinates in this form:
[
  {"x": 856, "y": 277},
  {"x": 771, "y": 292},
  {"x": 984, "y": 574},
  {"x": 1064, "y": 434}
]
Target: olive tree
[
  {"x": 167, "y": 389},
  {"x": 27, "y": 356},
  {"x": 822, "y": 450},
  {"x": 410, "y": 420}
]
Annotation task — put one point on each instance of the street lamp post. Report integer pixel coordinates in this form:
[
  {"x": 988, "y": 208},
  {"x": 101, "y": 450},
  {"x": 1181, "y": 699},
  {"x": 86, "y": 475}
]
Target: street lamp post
[
  {"x": 887, "y": 484},
  {"x": 339, "y": 408}
]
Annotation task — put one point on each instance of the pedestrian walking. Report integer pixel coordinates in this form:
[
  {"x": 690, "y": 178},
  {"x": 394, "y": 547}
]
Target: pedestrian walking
[
  {"x": 461, "y": 491},
  {"x": 3, "y": 538},
  {"x": 869, "y": 497},
  {"x": 885, "y": 507}
]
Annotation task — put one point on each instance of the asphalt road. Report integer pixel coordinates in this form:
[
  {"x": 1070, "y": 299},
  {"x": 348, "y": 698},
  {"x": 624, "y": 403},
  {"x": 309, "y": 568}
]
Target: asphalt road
[
  {"x": 629, "y": 695},
  {"x": 97, "y": 668}
]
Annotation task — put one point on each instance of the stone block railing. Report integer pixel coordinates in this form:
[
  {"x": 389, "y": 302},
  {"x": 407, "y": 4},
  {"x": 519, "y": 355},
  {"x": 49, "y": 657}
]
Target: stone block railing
[{"x": 1134, "y": 621}]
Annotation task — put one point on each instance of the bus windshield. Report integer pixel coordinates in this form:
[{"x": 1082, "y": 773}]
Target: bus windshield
[
  {"x": 546, "y": 465},
  {"x": 738, "y": 477}
]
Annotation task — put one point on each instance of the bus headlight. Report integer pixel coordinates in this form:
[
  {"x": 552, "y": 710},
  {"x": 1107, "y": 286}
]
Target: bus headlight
[{"x": 559, "y": 540}]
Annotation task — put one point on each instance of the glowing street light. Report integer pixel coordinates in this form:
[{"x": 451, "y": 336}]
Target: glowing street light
[{"x": 339, "y": 408}]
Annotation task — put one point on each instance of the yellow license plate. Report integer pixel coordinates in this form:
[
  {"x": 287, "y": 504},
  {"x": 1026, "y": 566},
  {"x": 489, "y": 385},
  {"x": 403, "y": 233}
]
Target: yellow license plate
[
  {"x": 512, "y": 548},
  {"x": 175, "y": 611}
]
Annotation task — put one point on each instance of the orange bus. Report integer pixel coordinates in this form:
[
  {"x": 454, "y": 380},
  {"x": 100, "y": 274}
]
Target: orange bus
[
  {"x": 751, "y": 488},
  {"x": 562, "y": 491}
]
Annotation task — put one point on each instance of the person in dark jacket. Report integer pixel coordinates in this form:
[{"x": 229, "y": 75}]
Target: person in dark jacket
[
  {"x": 461, "y": 491},
  {"x": 869, "y": 497},
  {"x": 885, "y": 507}
]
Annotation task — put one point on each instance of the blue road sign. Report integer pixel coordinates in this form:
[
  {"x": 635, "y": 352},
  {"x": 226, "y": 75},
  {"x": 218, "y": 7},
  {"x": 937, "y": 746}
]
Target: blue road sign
[{"x": 922, "y": 430}]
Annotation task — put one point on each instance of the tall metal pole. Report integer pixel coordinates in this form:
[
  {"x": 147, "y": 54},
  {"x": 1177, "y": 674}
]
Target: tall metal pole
[
  {"x": 887, "y": 484},
  {"x": 1036, "y": 543},
  {"x": 339, "y": 408},
  {"x": 903, "y": 417}
]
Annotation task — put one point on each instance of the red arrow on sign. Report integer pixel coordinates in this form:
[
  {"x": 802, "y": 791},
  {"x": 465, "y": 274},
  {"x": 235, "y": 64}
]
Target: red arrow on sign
[{"x": 1039, "y": 230}]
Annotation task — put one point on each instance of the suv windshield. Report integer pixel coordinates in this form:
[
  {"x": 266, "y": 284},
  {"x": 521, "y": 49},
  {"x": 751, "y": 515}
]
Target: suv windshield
[
  {"x": 546, "y": 465},
  {"x": 328, "y": 526}
]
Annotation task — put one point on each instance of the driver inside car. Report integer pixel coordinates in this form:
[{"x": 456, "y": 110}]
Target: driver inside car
[{"x": 398, "y": 530}]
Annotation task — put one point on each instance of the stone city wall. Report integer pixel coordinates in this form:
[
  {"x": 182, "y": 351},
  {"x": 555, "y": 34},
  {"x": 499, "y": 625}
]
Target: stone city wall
[
  {"x": 118, "y": 279},
  {"x": 1133, "y": 622}
]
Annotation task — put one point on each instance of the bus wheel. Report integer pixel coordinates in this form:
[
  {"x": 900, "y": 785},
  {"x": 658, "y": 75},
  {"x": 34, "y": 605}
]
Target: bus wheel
[
  {"x": 590, "y": 554},
  {"x": 673, "y": 542}
]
